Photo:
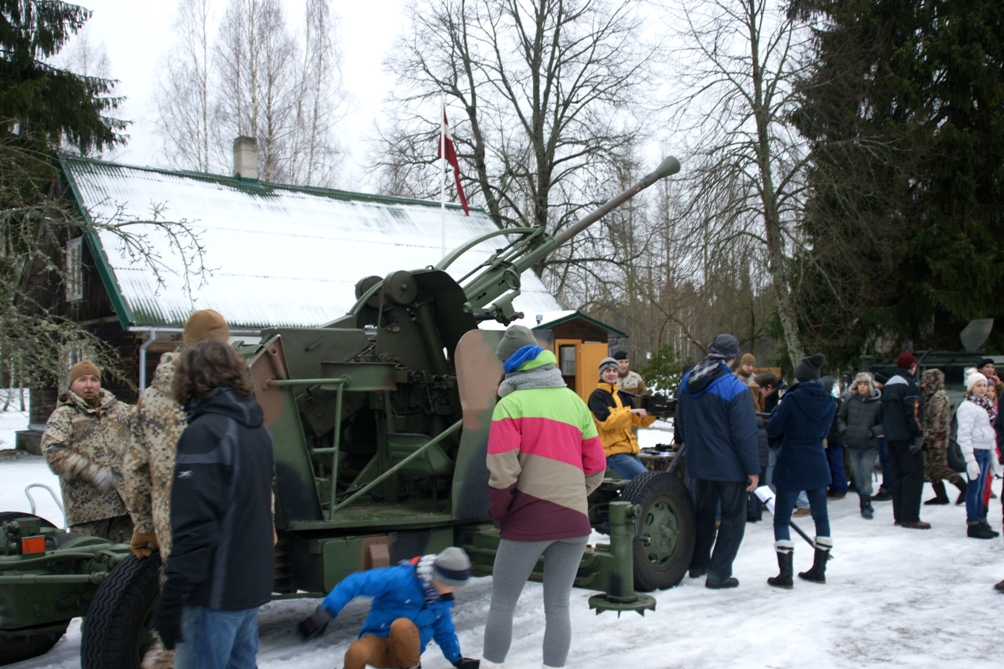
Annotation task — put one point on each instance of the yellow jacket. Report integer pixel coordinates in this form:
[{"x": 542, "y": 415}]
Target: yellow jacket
[{"x": 612, "y": 414}]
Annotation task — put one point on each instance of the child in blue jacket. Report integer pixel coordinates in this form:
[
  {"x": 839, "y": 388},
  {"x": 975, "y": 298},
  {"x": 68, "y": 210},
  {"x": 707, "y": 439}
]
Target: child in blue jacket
[{"x": 411, "y": 606}]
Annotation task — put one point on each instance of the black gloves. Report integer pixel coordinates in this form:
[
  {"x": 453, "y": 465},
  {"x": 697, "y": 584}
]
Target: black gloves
[
  {"x": 315, "y": 624},
  {"x": 467, "y": 663},
  {"x": 167, "y": 617},
  {"x": 917, "y": 445}
]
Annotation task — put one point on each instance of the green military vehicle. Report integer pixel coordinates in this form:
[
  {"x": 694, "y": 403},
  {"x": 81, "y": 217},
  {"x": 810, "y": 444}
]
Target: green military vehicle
[
  {"x": 380, "y": 423},
  {"x": 952, "y": 363}
]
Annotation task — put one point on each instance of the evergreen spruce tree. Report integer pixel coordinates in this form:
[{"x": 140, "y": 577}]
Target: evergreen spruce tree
[{"x": 904, "y": 109}]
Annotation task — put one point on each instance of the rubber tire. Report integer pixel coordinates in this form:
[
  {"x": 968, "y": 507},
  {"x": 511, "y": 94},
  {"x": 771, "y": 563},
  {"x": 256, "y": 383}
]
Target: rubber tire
[
  {"x": 6, "y": 516},
  {"x": 23, "y": 646},
  {"x": 649, "y": 490},
  {"x": 115, "y": 627}
]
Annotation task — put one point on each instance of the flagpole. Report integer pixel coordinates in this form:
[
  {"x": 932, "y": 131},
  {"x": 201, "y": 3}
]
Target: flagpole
[{"x": 442, "y": 182}]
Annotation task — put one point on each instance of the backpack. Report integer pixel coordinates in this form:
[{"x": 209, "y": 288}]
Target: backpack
[{"x": 956, "y": 461}]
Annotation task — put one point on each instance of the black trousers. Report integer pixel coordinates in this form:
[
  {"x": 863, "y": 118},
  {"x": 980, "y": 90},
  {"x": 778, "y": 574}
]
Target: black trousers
[
  {"x": 907, "y": 471},
  {"x": 728, "y": 537}
]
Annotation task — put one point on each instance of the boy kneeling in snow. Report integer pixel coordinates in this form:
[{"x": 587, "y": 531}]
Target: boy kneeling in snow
[{"x": 411, "y": 605}]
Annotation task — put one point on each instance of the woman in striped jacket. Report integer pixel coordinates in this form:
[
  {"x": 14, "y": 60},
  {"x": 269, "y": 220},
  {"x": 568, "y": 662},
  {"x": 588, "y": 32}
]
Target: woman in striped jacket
[{"x": 545, "y": 458}]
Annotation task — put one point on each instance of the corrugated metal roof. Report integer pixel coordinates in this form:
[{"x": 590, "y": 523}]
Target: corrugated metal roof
[{"x": 278, "y": 255}]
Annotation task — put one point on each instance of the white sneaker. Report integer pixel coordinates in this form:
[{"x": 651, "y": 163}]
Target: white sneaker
[{"x": 485, "y": 664}]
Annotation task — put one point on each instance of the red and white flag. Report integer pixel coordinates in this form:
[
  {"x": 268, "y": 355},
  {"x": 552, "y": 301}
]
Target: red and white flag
[{"x": 446, "y": 141}]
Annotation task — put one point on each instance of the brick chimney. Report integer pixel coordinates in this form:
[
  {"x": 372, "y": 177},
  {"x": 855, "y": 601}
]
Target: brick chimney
[{"x": 246, "y": 158}]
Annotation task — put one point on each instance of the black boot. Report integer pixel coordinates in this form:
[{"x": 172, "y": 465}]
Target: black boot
[
  {"x": 960, "y": 483},
  {"x": 986, "y": 526},
  {"x": 976, "y": 530},
  {"x": 940, "y": 496},
  {"x": 867, "y": 510},
  {"x": 818, "y": 572},
  {"x": 785, "y": 555}
]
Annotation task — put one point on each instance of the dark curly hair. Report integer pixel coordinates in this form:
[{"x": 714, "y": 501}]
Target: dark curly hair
[{"x": 208, "y": 365}]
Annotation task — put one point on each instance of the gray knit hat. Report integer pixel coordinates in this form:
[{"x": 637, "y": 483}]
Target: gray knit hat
[
  {"x": 515, "y": 338},
  {"x": 608, "y": 362},
  {"x": 724, "y": 347},
  {"x": 452, "y": 566},
  {"x": 808, "y": 368}
]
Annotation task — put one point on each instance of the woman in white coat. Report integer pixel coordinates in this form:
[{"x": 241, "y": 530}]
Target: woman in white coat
[{"x": 976, "y": 439}]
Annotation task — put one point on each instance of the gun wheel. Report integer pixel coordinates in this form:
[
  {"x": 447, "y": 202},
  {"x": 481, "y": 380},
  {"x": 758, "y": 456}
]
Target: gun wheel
[
  {"x": 666, "y": 530},
  {"x": 119, "y": 622}
]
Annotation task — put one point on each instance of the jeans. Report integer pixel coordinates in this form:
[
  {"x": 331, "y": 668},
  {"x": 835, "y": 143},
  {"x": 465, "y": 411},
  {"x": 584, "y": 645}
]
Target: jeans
[
  {"x": 907, "y": 481},
  {"x": 883, "y": 454},
  {"x": 626, "y": 465},
  {"x": 835, "y": 457},
  {"x": 784, "y": 504},
  {"x": 802, "y": 502},
  {"x": 217, "y": 639},
  {"x": 974, "y": 489},
  {"x": 862, "y": 468},
  {"x": 726, "y": 540}
]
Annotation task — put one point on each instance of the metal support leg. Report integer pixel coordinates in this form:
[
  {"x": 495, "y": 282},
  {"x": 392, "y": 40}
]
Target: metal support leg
[{"x": 620, "y": 595}]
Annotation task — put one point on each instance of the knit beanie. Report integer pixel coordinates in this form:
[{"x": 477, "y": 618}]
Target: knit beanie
[
  {"x": 724, "y": 347},
  {"x": 906, "y": 360},
  {"x": 972, "y": 378},
  {"x": 608, "y": 363},
  {"x": 452, "y": 566},
  {"x": 205, "y": 324},
  {"x": 808, "y": 368},
  {"x": 83, "y": 368},
  {"x": 515, "y": 338}
]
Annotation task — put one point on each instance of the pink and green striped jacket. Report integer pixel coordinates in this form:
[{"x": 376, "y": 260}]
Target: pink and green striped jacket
[{"x": 545, "y": 457}]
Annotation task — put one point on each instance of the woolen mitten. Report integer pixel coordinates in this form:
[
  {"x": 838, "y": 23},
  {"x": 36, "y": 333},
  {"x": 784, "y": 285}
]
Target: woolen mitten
[{"x": 973, "y": 470}]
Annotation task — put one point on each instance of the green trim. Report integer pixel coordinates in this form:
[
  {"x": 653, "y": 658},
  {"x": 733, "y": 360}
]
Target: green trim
[
  {"x": 254, "y": 187},
  {"x": 98, "y": 252},
  {"x": 579, "y": 314}
]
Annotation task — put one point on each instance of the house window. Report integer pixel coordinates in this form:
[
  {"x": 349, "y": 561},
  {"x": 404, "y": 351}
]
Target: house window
[
  {"x": 75, "y": 269},
  {"x": 567, "y": 360}
]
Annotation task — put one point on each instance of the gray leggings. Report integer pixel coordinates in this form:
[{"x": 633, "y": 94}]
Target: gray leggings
[{"x": 514, "y": 562}]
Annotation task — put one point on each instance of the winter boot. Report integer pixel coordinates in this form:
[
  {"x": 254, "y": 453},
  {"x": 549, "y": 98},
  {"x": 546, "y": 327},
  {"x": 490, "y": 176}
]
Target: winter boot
[
  {"x": 940, "y": 496},
  {"x": 485, "y": 664},
  {"x": 976, "y": 530},
  {"x": 818, "y": 572},
  {"x": 867, "y": 510},
  {"x": 986, "y": 526},
  {"x": 785, "y": 554},
  {"x": 960, "y": 483}
]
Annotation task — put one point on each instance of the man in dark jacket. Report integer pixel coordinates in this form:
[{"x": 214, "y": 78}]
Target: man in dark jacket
[
  {"x": 221, "y": 563},
  {"x": 716, "y": 420},
  {"x": 903, "y": 425}
]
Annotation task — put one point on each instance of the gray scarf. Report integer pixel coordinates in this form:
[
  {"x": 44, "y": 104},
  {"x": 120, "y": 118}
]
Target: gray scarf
[{"x": 546, "y": 376}]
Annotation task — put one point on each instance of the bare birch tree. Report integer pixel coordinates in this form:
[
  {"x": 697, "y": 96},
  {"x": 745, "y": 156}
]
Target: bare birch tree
[
  {"x": 258, "y": 78},
  {"x": 185, "y": 100},
  {"x": 544, "y": 87},
  {"x": 740, "y": 63}
]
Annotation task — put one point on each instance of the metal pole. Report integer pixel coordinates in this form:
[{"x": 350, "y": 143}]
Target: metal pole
[
  {"x": 380, "y": 479},
  {"x": 334, "y": 450},
  {"x": 142, "y": 360},
  {"x": 442, "y": 180}
]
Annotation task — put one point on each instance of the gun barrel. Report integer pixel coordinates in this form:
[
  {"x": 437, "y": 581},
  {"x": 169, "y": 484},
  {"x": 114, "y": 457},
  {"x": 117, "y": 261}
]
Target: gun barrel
[{"x": 667, "y": 167}]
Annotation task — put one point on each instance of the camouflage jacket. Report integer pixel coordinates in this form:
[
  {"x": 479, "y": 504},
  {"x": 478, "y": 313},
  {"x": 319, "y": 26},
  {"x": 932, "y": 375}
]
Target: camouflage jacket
[
  {"x": 79, "y": 441},
  {"x": 937, "y": 420},
  {"x": 149, "y": 463},
  {"x": 632, "y": 383}
]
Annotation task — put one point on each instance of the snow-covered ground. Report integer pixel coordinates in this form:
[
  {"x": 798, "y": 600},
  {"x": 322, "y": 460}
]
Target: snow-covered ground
[{"x": 894, "y": 598}]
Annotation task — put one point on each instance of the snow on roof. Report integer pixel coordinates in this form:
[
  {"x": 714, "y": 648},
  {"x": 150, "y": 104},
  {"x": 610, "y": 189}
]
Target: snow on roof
[
  {"x": 278, "y": 255},
  {"x": 549, "y": 319}
]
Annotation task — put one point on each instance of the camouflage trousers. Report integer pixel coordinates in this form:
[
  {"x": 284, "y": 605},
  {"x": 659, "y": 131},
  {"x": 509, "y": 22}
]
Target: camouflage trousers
[
  {"x": 157, "y": 657},
  {"x": 117, "y": 530},
  {"x": 936, "y": 463}
]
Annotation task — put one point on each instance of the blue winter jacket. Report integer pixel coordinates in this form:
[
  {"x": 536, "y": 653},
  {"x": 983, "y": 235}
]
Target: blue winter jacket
[
  {"x": 802, "y": 419},
  {"x": 398, "y": 592},
  {"x": 718, "y": 425}
]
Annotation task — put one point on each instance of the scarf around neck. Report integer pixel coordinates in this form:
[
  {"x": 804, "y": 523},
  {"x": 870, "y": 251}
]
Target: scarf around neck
[{"x": 989, "y": 406}]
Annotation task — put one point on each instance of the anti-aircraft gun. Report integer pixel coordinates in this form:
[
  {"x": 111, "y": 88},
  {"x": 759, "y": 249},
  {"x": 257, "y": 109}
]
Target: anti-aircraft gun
[{"x": 380, "y": 422}]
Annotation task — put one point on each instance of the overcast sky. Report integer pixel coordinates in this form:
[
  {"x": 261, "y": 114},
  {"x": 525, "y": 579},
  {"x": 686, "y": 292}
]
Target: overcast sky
[{"x": 137, "y": 34}]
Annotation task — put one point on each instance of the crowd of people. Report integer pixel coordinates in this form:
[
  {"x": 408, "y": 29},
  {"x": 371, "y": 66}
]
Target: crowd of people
[{"x": 188, "y": 471}]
